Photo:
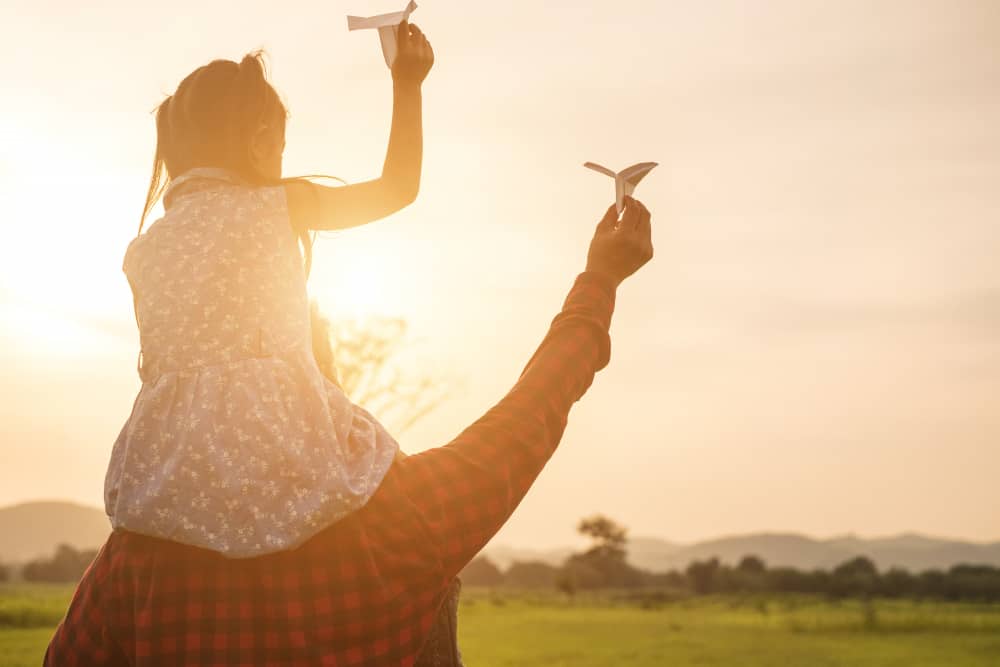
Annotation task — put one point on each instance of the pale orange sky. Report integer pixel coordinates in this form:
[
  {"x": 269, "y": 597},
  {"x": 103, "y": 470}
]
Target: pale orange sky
[{"x": 815, "y": 347}]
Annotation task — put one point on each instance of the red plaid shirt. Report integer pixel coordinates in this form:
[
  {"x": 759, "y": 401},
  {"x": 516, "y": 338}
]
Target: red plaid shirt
[{"x": 366, "y": 590}]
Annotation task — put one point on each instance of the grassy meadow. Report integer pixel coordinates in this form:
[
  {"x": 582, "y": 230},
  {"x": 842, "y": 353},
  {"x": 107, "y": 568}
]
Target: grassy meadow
[
  {"x": 28, "y": 615},
  {"x": 499, "y": 629}
]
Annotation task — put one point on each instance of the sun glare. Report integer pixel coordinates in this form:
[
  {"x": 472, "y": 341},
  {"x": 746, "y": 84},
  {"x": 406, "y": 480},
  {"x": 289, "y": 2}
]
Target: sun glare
[
  {"x": 354, "y": 276},
  {"x": 46, "y": 329},
  {"x": 60, "y": 265}
]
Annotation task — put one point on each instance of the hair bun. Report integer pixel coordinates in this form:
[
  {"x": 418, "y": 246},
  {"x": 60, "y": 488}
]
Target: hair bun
[{"x": 253, "y": 64}]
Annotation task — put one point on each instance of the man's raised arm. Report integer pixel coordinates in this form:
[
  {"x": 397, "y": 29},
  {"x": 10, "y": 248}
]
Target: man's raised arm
[{"x": 453, "y": 499}]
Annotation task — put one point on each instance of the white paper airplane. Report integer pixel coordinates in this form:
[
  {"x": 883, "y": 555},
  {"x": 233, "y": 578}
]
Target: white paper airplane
[
  {"x": 387, "y": 26},
  {"x": 625, "y": 180}
]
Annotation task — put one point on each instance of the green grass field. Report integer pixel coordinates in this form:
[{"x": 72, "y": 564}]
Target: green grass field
[
  {"x": 501, "y": 629},
  {"x": 28, "y": 614}
]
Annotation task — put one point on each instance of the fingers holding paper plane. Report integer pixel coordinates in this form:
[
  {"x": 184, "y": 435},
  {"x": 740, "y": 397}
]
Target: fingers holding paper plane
[
  {"x": 609, "y": 222},
  {"x": 414, "y": 55},
  {"x": 636, "y": 218}
]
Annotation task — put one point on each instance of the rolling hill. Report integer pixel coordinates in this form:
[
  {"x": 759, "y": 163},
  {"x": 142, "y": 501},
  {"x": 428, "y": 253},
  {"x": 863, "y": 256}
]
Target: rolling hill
[{"x": 34, "y": 529}]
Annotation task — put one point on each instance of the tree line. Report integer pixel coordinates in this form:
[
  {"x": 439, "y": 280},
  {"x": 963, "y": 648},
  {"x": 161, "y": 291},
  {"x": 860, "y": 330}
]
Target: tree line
[
  {"x": 66, "y": 565},
  {"x": 604, "y": 565}
]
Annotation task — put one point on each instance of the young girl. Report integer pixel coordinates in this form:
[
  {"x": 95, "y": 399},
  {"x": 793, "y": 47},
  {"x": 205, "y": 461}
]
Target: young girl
[{"x": 237, "y": 442}]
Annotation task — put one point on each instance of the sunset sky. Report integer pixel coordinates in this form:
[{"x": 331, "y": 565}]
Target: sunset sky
[{"x": 815, "y": 347}]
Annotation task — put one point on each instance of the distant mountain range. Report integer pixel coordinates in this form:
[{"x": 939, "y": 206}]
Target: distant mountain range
[
  {"x": 34, "y": 529},
  {"x": 908, "y": 551}
]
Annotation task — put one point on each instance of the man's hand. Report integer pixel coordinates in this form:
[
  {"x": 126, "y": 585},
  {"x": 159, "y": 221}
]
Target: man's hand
[
  {"x": 414, "y": 55},
  {"x": 621, "y": 247}
]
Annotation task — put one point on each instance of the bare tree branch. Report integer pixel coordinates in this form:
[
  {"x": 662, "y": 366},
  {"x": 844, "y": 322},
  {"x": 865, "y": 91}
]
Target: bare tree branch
[{"x": 362, "y": 356}]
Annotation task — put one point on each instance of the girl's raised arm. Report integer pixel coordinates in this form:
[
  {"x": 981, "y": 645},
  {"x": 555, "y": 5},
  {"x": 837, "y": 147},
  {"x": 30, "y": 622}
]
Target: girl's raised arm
[{"x": 318, "y": 207}]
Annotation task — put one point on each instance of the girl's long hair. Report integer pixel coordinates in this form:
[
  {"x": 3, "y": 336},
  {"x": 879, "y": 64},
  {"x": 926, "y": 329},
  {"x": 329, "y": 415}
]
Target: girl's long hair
[{"x": 210, "y": 121}]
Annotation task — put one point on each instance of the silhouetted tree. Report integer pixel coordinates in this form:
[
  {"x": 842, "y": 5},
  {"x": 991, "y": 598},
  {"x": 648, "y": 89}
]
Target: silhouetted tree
[
  {"x": 603, "y": 564},
  {"x": 974, "y": 582},
  {"x": 860, "y": 566},
  {"x": 362, "y": 356},
  {"x": 674, "y": 581},
  {"x": 577, "y": 574},
  {"x": 752, "y": 565},
  {"x": 704, "y": 575},
  {"x": 897, "y": 583},
  {"x": 858, "y": 576},
  {"x": 66, "y": 565},
  {"x": 932, "y": 584},
  {"x": 608, "y": 537},
  {"x": 482, "y": 572},
  {"x": 531, "y": 574},
  {"x": 747, "y": 576},
  {"x": 789, "y": 580}
]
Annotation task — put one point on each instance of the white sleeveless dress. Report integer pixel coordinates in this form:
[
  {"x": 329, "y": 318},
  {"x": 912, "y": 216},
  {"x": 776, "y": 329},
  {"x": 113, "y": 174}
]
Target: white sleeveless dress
[{"x": 236, "y": 443}]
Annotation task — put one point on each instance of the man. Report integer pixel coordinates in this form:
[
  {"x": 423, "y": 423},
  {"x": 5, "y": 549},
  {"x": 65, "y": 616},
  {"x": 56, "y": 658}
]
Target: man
[{"x": 366, "y": 590}]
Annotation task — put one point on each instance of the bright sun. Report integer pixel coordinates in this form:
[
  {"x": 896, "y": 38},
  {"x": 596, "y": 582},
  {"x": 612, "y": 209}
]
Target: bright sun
[
  {"x": 356, "y": 275},
  {"x": 60, "y": 264}
]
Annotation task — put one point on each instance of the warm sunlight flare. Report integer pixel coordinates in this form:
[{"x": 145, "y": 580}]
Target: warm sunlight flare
[
  {"x": 60, "y": 266},
  {"x": 355, "y": 277},
  {"x": 47, "y": 332}
]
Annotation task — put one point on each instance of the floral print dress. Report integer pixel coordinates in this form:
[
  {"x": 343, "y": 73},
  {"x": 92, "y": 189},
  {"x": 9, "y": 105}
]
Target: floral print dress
[{"x": 236, "y": 442}]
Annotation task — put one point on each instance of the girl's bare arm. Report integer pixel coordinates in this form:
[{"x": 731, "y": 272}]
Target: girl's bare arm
[{"x": 318, "y": 207}]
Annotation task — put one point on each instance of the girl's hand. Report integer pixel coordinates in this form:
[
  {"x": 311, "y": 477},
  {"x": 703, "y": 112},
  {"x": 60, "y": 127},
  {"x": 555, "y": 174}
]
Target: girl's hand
[{"x": 414, "y": 55}]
